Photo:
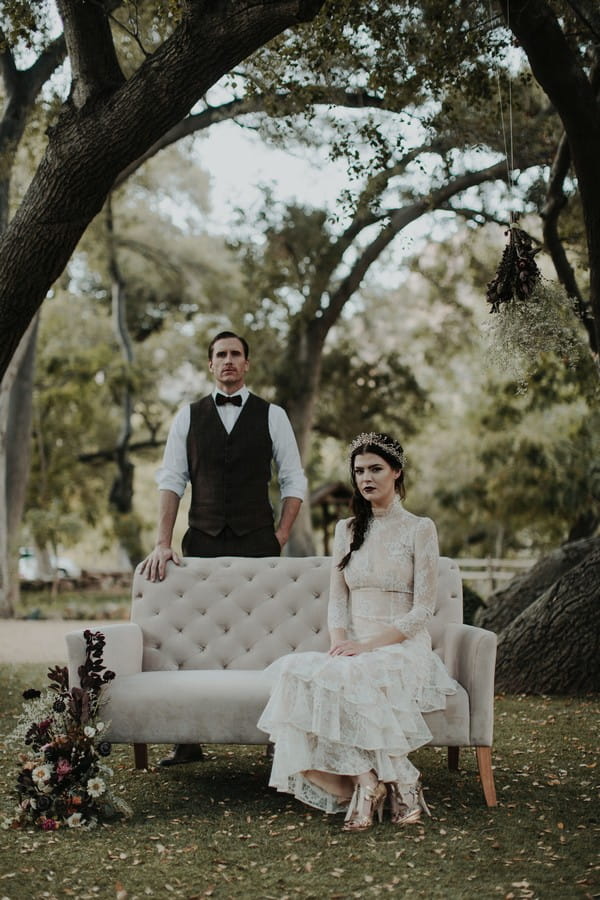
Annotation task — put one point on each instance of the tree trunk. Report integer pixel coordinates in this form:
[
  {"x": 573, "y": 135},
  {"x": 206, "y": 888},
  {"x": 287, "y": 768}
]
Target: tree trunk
[
  {"x": 559, "y": 72},
  {"x": 553, "y": 646},
  {"x": 302, "y": 542},
  {"x": 16, "y": 393},
  {"x": 127, "y": 527},
  {"x": 297, "y": 391},
  {"x": 505, "y": 605}
]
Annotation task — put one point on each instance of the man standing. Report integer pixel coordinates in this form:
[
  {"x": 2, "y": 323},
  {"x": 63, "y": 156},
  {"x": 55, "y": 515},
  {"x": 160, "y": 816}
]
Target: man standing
[{"x": 224, "y": 445}]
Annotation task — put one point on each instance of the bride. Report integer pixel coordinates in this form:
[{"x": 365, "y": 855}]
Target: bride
[{"x": 344, "y": 722}]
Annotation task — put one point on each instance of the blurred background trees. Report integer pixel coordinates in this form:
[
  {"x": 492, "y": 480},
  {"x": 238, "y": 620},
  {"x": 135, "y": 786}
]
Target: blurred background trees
[{"x": 365, "y": 310}]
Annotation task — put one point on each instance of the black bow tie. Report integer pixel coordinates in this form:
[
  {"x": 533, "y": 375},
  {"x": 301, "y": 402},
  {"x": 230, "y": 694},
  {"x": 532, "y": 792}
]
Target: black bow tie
[{"x": 222, "y": 399}]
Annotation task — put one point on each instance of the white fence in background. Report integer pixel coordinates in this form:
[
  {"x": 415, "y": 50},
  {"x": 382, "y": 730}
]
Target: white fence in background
[{"x": 492, "y": 573}]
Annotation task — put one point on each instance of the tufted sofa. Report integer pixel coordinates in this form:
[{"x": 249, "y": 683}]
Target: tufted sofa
[{"x": 190, "y": 662}]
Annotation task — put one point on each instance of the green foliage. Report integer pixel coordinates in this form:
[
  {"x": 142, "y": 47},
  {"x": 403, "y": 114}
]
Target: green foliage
[
  {"x": 25, "y": 25},
  {"x": 521, "y": 471},
  {"x": 522, "y": 332},
  {"x": 433, "y": 72},
  {"x": 357, "y": 395},
  {"x": 174, "y": 275},
  {"x": 72, "y": 414}
]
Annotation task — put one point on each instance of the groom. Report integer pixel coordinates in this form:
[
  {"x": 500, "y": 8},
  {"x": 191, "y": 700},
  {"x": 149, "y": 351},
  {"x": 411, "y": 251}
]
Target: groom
[{"x": 224, "y": 445}]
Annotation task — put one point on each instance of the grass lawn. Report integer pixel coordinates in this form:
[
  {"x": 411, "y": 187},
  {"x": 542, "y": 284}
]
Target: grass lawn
[{"x": 213, "y": 829}]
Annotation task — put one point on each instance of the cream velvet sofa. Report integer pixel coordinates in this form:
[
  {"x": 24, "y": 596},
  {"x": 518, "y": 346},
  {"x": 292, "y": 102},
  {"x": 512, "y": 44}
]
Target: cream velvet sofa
[{"x": 190, "y": 663}]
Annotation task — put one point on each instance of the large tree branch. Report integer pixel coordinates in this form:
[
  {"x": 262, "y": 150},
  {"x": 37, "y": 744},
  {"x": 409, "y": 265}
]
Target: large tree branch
[
  {"x": 366, "y": 214},
  {"x": 244, "y": 106},
  {"x": 110, "y": 454},
  {"x": 553, "y": 62},
  {"x": 8, "y": 68},
  {"x": 556, "y": 201},
  {"x": 400, "y": 219},
  {"x": 21, "y": 90},
  {"x": 46, "y": 64},
  {"x": 95, "y": 70},
  {"x": 88, "y": 148},
  {"x": 470, "y": 214},
  {"x": 589, "y": 12}
]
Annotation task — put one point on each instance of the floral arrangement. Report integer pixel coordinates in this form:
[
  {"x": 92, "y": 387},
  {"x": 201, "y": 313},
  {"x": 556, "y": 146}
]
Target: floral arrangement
[
  {"x": 518, "y": 340},
  {"x": 518, "y": 274},
  {"x": 63, "y": 779}
]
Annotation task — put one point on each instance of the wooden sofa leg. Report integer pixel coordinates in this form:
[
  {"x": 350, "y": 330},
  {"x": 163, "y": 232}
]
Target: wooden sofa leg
[
  {"x": 453, "y": 757},
  {"x": 484, "y": 764},
  {"x": 140, "y": 756}
]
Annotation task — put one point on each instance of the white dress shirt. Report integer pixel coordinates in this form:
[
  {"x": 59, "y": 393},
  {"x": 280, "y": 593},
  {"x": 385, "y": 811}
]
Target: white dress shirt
[{"x": 174, "y": 475}]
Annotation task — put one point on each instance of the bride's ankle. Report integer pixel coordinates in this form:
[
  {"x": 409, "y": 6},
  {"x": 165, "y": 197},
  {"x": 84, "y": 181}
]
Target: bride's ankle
[{"x": 368, "y": 779}]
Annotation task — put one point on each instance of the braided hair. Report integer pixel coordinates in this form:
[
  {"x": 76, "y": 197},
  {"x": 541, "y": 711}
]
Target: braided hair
[{"x": 391, "y": 451}]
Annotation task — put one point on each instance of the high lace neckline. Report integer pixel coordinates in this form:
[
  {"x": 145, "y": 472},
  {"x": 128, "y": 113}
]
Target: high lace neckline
[{"x": 395, "y": 506}]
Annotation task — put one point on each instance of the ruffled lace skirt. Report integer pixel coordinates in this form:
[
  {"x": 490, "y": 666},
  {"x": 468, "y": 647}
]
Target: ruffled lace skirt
[{"x": 331, "y": 717}]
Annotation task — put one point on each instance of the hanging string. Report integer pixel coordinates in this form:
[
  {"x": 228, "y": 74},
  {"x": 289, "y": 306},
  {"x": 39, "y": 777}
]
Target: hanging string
[
  {"x": 508, "y": 153},
  {"x": 518, "y": 274}
]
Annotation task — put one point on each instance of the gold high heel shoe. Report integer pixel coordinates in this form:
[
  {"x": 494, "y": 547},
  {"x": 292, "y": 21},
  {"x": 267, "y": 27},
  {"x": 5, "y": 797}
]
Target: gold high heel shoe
[
  {"x": 407, "y": 808},
  {"x": 366, "y": 801}
]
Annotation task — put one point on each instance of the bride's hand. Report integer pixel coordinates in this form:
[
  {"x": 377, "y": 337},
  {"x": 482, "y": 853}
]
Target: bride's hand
[{"x": 347, "y": 648}]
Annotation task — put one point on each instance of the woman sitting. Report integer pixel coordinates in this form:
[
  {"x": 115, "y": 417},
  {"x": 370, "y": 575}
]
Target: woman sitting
[{"x": 344, "y": 722}]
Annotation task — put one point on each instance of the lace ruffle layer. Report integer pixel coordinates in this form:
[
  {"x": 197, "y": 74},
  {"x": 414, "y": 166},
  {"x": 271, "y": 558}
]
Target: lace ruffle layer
[{"x": 346, "y": 715}]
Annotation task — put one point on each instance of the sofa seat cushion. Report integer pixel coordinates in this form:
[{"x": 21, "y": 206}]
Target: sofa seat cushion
[
  {"x": 223, "y": 706},
  {"x": 187, "y": 706}
]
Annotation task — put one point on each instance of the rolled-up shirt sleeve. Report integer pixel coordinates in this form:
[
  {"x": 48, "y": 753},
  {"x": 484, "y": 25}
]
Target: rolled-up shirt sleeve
[
  {"x": 173, "y": 474},
  {"x": 286, "y": 456},
  {"x": 425, "y": 580}
]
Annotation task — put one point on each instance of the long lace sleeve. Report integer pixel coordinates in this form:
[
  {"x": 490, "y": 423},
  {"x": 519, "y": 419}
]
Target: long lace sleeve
[
  {"x": 425, "y": 580},
  {"x": 337, "y": 610}
]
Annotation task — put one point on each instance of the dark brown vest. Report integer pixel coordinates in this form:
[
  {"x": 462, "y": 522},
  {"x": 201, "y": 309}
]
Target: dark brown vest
[{"x": 230, "y": 473}]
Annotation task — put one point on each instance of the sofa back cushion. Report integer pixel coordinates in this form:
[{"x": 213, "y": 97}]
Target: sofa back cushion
[{"x": 243, "y": 613}]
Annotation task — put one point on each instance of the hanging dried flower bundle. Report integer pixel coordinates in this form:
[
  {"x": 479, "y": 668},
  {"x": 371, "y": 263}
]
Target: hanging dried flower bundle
[{"x": 517, "y": 274}]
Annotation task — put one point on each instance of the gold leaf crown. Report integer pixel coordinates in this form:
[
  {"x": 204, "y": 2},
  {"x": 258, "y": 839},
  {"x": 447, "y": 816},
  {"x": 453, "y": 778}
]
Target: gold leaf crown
[{"x": 378, "y": 440}]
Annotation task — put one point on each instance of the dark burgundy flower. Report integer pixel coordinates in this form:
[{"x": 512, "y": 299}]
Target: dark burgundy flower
[
  {"x": 43, "y": 803},
  {"x": 59, "y": 706},
  {"x": 104, "y": 748},
  {"x": 31, "y": 694}
]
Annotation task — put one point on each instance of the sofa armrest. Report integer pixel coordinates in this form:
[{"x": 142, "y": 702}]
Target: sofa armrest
[
  {"x": 470, "y": 657},
  {"x": 122, "y": 651}
]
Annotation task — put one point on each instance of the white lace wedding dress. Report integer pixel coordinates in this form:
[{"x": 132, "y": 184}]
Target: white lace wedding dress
[{"x": 334, "y": 716}]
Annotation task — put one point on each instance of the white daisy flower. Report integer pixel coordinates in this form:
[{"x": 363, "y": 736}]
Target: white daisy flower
[
  {"x": 41, "y": 775},
  {"x": 95, "y": 787}
]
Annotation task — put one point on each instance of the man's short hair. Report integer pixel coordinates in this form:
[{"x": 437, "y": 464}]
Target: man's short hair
[{"x": 228, "y": 334}]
